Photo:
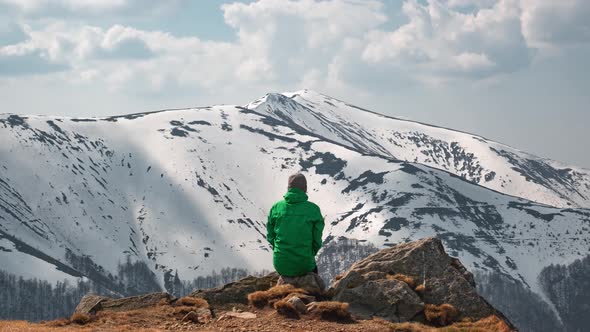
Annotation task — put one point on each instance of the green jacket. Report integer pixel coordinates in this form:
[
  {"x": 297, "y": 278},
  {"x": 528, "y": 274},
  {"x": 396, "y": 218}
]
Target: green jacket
[{"x": 294, "y": 230}]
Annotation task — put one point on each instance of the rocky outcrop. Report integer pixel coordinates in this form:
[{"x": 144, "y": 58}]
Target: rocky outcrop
[
  {"x": 236, "y": 292},
  {"x": 415, "y": 281},
  {"x": 91, "y": 304},
  {"x": 373, "y": 287}
]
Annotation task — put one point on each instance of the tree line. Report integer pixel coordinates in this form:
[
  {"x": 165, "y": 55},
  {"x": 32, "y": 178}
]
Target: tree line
[{"x": 34, "y": 299}]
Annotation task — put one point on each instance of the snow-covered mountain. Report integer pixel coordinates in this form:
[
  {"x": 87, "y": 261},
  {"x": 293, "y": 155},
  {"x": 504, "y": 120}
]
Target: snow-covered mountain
[
  {"x": 475, "y": 158},
  {"x": 188, "y": 190}
]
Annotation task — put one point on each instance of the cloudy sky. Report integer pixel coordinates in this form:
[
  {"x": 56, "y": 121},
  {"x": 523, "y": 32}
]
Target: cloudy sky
[{"x": 515, "y": 71}]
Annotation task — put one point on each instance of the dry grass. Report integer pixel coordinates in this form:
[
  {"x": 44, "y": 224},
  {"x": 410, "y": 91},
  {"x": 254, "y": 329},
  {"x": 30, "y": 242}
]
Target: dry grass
[
  {"x": 58, "y": 322},
  {"x": 331, "y": 311},
  {"x": 488, "y": 324},
  {"x": 285, "y": 308},
  {"x": 402, "y": 277},
  {"x": 192, "y": 302},
  {"x": 180, "y": 311},
  {"x": 81, "y": 319},
  {"x": 338, "y": 277},
  {"x": 261, "y": 298},
  {"x": 440, "y": 315},
  {"x": 420, "y": 289}
]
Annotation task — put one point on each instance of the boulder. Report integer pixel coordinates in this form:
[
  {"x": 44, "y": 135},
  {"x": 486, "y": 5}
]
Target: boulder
[
  {"x": 90, "y": 304},
  {"x": 392, "y": 300},
  {"x": 371, "y": 291},
  {"x": 311, "y": 282},
  {"x": 236, "y": 292},
  {"x": 136, "y": 302}
]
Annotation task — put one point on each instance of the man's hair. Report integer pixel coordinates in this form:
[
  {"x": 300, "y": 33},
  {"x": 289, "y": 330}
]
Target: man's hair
[{"x": 297, "y": 181}]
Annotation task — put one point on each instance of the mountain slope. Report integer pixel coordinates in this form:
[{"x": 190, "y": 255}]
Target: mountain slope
[
  {"x": 487, "y": 163},
  {"x": 188, "y": 191}
]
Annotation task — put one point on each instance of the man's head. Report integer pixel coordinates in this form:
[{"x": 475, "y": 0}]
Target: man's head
[{"x": 298, "y": 181}]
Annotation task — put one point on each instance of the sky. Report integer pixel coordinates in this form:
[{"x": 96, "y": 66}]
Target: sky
[{"x": 515, "y": 71}]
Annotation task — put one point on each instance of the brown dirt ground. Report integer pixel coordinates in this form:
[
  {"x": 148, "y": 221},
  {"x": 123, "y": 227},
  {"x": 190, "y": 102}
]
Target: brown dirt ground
[{"x": 164, "y": 318}]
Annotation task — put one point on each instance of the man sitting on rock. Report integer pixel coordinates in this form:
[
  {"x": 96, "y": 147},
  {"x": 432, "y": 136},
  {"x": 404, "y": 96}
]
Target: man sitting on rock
[{"x": 294, "y": 231}]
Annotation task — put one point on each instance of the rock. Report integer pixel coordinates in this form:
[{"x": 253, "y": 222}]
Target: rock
[
  {"x": 191, "y": 317},
  {"x": 137, "y": 302},
  {"x": 392, "y": 300},
  {"x": 90, "y": 304},
  {"x": 237, "y": 292},
  {"x": 311, "y": 282},
  {"x": 298, "y": 304},
  {"x": 303, "y": 297},
  {"x": 370, "y": 293},
  {"x": 93, "y": 303},
  {"x": 242, "y": 315}
]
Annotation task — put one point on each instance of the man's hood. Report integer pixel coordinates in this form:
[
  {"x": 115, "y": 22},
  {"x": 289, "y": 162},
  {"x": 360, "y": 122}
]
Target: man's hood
[{"x": 295, "y": 195}]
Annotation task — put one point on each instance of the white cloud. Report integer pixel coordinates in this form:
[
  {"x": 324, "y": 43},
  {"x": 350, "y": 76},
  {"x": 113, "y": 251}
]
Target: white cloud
[
  {"x": 288, "y": 37},
  {"x": 439, "y": 41},
  {"x": 335, "y": 44}
]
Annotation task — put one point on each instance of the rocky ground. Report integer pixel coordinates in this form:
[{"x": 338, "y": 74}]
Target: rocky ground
[{"x": 164, "y": 319}]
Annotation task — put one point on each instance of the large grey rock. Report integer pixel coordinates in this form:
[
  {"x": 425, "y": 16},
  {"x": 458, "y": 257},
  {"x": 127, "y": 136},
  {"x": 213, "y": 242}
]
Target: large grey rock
[
  {"x": 370, "y": 293},
  {"x": 311, "y": 282},
  {"x": 388, "y": 299},
  {"x": 236, "y": 292},
  {"x": 136, "y": 302}
]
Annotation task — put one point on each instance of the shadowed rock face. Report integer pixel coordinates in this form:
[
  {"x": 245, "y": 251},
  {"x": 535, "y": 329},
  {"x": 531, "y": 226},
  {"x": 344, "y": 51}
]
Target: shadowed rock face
[
  {"x": 91, "y": 303},
  {"x": 236, "y": 292},
  {"x": 446, "y": 281},
  {"x": 393, "y": 300},
  {"x": 311, "y": 282}
]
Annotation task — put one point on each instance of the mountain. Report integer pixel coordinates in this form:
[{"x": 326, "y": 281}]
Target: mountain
[
  {"x": 472, "y": 157},
  {"x": 185, "y": 192}
]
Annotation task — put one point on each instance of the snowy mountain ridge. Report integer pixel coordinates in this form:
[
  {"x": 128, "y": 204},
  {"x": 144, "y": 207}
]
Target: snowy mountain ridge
[
  {"x": 475, "y": 158},
  {"x": 188, "y": 190}
]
